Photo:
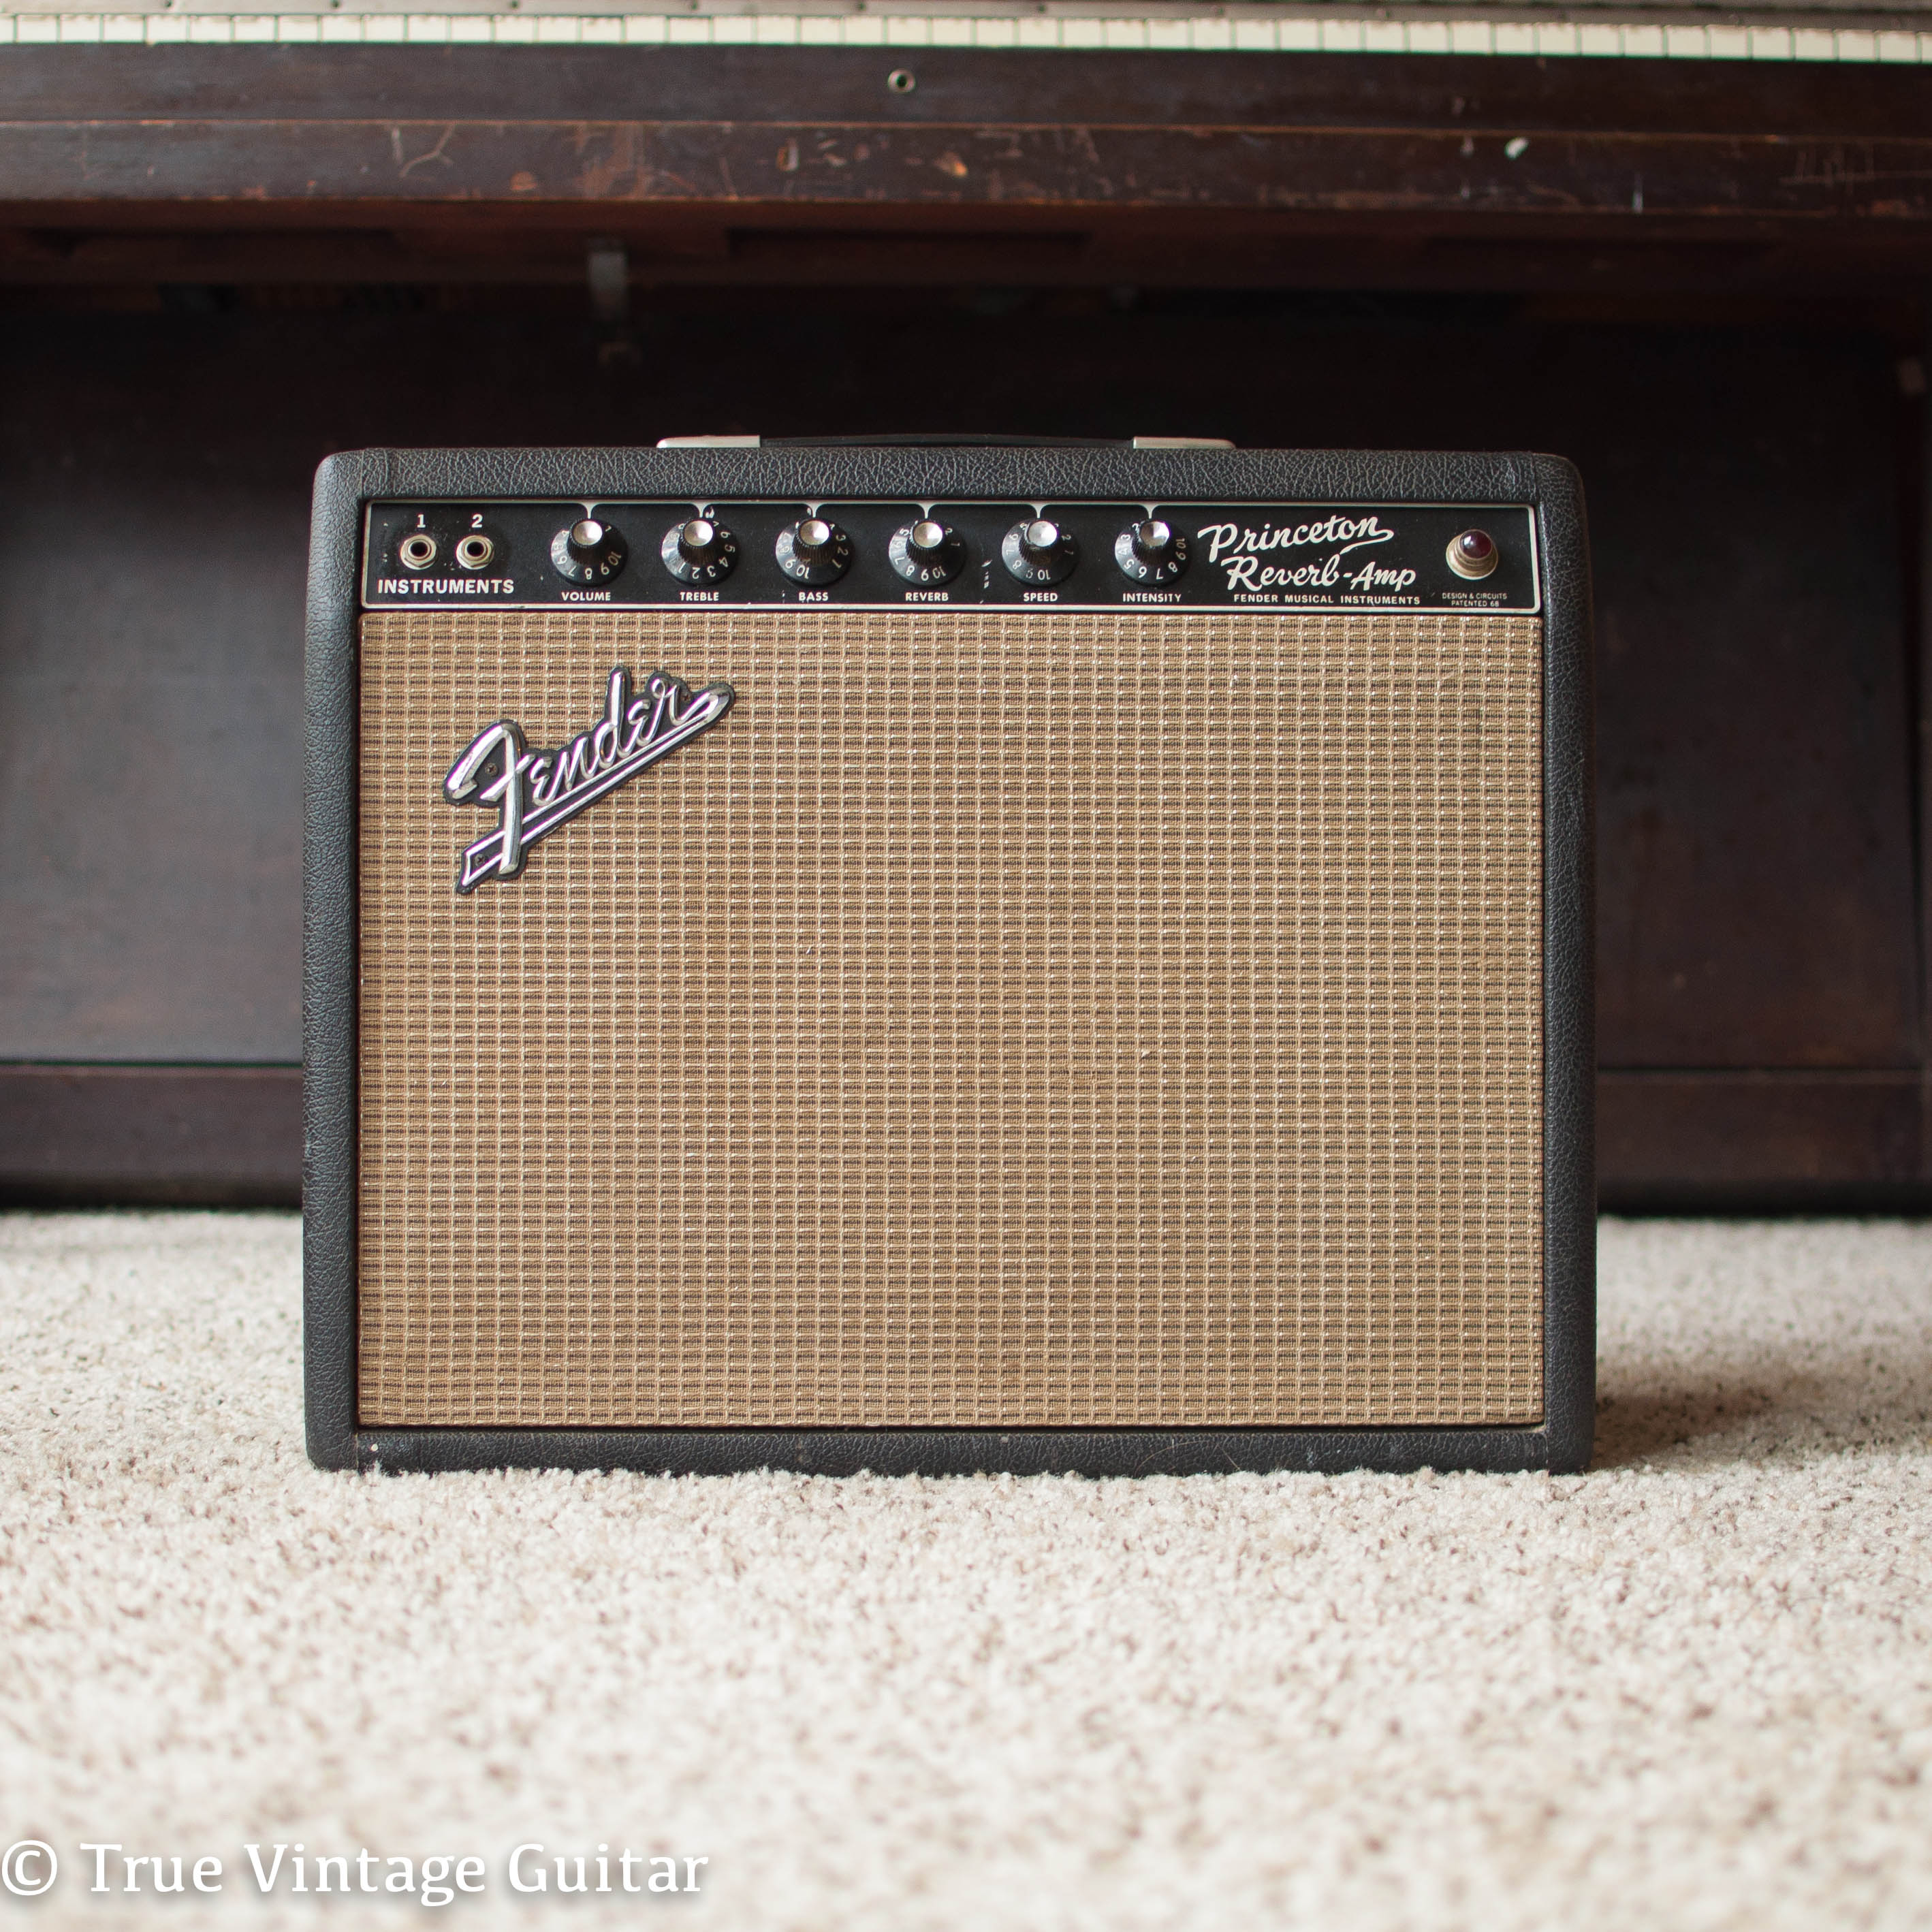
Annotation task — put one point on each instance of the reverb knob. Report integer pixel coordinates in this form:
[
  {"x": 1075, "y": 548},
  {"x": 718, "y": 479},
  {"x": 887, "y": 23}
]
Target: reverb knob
[
  {"x": 814, "y": 551},
  {"x": 1039, "y": 552},
  {"x": 1153, "y": 552},
  {"x": 927, "y": 553},
  {"x": 588, "y": 552},
  {"x": 700, "y": 551}
]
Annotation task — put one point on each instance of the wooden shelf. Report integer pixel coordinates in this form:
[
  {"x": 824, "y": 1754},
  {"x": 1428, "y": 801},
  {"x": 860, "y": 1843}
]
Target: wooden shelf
[{"x": 748, "y": 164}]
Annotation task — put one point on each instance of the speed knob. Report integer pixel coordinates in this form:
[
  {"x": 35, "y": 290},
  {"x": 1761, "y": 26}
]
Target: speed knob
[
  {"x": 1039, "y": 552},
  {"x": 815, "y": 552},
  {"x": 702, "y": 551},
  {"x": 588, "y": 552},
  {"x": 927, "y": 553},
  {"x": 1153, "y": 552}
]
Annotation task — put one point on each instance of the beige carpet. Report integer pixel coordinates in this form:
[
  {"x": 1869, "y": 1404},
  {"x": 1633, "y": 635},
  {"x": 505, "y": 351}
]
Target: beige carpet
[{"x": 1691, "y": 1690}]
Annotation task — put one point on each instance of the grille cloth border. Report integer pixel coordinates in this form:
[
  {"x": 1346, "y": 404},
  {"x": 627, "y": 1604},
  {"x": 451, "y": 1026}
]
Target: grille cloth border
[{"x": 998, "y": 1019}]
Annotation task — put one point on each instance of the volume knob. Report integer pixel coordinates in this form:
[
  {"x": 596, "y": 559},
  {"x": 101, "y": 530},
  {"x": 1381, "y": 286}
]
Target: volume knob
[
  {"x": 700, "y": 551},
  {"x": 1039, "y": 552},
  {"x": 588, "y": 552},
  {"x": 1153, "y": 552},
  {"x": 927, "y": 552},
  {"x": 815, "y": 552}
]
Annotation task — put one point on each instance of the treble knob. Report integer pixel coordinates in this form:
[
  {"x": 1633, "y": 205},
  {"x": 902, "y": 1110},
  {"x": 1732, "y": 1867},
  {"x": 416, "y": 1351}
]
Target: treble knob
[
  {"x": 1039, "y": 552},
  {"x": 700, "y": 551},
  {"x": 927, "y": 552},
  {"x": 1153, "y": 552},
  {"x": 815, "y": 552},
  {"x": 588, "y": 552}
]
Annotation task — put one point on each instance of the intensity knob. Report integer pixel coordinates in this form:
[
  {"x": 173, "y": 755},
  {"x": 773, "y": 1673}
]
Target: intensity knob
[
  {"x": 814, "y": 552},
  {"x": 700, "y": 551},
  {"x": 1153, "y": 552},
  {"x": 927, "y": 553},
  {"x": 588, "y": 552},
  {"x": 1039, "y": 552}
]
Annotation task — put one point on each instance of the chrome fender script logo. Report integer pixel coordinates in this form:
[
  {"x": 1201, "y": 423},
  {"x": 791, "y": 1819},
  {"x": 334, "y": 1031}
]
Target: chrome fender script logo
[{"x": 534, "y": 792}]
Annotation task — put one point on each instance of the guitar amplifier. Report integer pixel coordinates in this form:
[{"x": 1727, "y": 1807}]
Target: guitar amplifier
[{"x": 939, "y": 957}]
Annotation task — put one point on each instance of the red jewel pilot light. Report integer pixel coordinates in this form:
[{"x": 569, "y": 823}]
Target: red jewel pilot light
[{"x": 1474, "y": 553}]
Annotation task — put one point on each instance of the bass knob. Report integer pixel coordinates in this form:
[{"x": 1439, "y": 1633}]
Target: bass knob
[{"x": 815, "y": 552}]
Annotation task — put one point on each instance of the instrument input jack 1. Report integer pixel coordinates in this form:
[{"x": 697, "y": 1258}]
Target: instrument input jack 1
[
  {"x": 417, "y": 550},
  {"x": 474, "y": 551}
]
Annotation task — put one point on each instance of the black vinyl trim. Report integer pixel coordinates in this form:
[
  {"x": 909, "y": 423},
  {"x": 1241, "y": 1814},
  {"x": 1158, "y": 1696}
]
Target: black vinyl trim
[
  {"x": 952, "y": 1452},
  {"x": 344, "y": 484},
  {"x": 1569, "y": 973},
  {"x": 329, "y": 782}
]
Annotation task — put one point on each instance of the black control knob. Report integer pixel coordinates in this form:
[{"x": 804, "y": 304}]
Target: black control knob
[
  {"x": 1039, "y": 552},
  {"x": 702, "y": 551},
  {"x": 588, "y": 552},
  {"x": 815, "y": 552},
  {"x": 927, "y": 553},
  {"x": 1153, "y": 552}
]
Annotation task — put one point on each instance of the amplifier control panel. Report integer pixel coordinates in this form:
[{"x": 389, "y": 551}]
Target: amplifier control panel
[{"x": 1090, "y": 556}]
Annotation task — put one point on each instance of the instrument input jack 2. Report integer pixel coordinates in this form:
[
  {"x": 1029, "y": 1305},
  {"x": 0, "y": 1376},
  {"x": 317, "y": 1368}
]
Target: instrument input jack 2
[
  {"x": 417, "y": 551},
  {"x": 474, "y": 551}
]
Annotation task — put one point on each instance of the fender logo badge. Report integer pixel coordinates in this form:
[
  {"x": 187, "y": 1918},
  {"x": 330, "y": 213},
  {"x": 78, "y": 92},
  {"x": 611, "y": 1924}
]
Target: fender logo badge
[{"x": 534, "y": 792}]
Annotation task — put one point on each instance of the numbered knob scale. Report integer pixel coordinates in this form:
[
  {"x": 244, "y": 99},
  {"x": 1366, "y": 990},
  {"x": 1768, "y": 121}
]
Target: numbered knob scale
[
  {"x": 1039, "y": 552},
  {"x": 588, "y": 552},
  {"x": 700, "y": 551},
  {"x": 927, "y": 553},
  {"x": 1153, "y": 552},
  {"x": 815, "y": 552}
]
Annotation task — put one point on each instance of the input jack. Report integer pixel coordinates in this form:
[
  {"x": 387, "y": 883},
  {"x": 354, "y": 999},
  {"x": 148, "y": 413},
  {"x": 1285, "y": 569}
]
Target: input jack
[
  {"x": 417, "y": 550},
  {"x": 475, "y": 551}
]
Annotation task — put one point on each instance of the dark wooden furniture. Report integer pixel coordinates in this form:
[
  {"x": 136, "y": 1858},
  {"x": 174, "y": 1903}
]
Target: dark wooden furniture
[{"x": 1702, "y": 280}]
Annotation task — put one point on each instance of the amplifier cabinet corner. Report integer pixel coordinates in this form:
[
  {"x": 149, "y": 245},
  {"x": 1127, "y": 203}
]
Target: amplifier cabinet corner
[{"x": 949, "y": 959}]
